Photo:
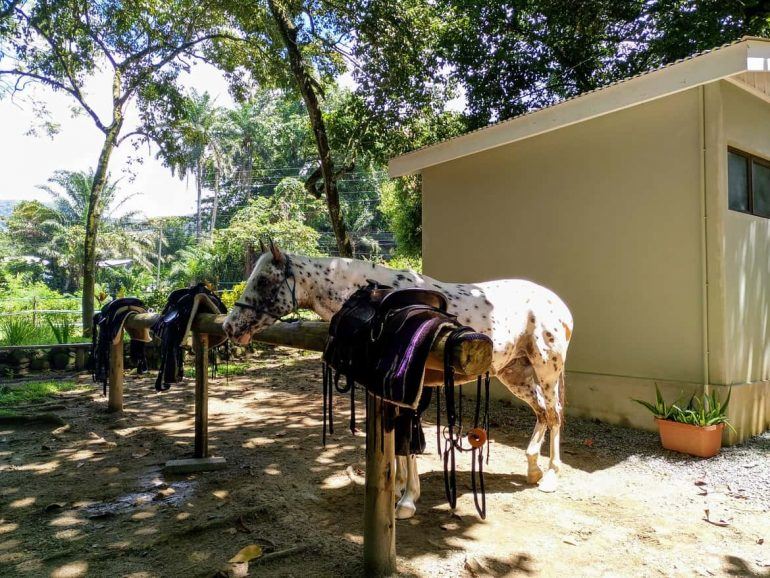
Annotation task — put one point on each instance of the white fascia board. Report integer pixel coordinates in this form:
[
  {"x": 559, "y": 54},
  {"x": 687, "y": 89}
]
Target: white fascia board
[{"x": 702, "y": 69}]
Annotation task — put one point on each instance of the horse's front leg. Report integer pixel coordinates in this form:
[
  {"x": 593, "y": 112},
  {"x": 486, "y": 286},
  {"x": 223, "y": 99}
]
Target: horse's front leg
[
  {"x": 402, "y": 471},
  {"x": 407, "y": 505}
]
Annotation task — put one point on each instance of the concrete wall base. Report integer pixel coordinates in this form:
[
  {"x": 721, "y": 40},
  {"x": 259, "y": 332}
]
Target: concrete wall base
[{"x": 609, "y": 398}]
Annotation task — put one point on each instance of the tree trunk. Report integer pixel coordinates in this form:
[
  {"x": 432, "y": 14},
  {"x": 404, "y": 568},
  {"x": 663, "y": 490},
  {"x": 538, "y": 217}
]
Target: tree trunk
[
  {"x": 215, "y": 206},
  {"x": 198, "y": 211},
  {"x": 93, "y": 216},
  {"x": 307, "y": 89}
]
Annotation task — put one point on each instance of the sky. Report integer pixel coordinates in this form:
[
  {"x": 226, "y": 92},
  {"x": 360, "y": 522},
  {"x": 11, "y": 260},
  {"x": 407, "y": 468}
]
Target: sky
[{"x": 27, "y": 161}]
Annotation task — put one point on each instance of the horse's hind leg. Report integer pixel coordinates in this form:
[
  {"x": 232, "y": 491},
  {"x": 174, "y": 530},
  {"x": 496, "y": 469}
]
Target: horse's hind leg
[
  {"x": 519, "y": 378},
  {"x": 407, "y": 505},
  {"x": 556, "y": 419},
  {"x": 552, "y": 386}
]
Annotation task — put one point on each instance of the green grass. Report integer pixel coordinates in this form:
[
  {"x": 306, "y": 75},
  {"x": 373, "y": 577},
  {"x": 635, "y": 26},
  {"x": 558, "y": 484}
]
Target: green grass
[
  {"x": 34, "y": 391},
  {"x": 223, "y": 369}
]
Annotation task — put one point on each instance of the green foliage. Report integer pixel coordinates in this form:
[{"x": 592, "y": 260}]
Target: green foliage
[
  {"x": 701, "y": 411},
  {"x": 34, "y": 391},
  {"x": 130, "y": 281},
  {"x": 407, "y": 263},
  {"x": 705, "y": 410},
  {"x": 401, "y": 203},
  {"x": 55, "y": 234},
  {"x": 514, "y": 57},
  {"x": 18, "y": 330},
  {"x": 63, "y": 329},
  {"x": 659, "y": 409},
  {"x": 230, "y": 296}
]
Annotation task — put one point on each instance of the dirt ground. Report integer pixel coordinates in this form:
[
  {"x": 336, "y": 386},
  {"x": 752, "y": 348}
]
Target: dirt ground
[{"x": 89, "y": 499}]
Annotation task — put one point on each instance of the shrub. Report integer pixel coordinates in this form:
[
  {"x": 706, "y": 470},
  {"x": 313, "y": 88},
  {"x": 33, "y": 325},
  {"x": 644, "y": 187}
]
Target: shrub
[
  {"x": 18, "y": 330},
  {"x": 230, "y": 296}
]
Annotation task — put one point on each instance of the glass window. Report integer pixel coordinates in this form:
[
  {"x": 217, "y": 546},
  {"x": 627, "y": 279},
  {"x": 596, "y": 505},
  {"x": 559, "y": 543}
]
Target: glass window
[
  {"x": 738, "y": 179},
  {"x": 760, "y": 186}
]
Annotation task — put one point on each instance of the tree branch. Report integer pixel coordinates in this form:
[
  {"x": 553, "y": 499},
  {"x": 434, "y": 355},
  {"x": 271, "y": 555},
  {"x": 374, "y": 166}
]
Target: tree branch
[
  {"x": 133, "y": 133},
  {"x": 166, "y": 59},
  {"x": 93, "y": 34},
  {"x": 58, "y": 86},
  {"x": 74, "y": 87}
]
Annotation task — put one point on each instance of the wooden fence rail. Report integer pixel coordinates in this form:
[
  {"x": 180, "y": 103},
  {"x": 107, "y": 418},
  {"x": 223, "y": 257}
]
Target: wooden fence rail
[{"x": 471, "y": 356}]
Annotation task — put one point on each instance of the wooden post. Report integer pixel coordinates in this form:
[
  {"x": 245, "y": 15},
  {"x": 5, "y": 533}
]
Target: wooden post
[
  {"x": 201, "y": 346},
  {"x": 115, "y": 385},
  {"x": 380, "y": 500}
]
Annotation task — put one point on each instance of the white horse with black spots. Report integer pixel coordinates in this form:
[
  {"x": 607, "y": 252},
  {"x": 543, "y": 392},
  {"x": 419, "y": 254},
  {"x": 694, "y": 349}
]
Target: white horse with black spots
[{"x": 530, "y": 328}]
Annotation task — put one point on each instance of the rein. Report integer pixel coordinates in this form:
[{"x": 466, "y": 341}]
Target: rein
[
  {"x": 452, "y": 433},
  {"x": 288, "y": 274}
]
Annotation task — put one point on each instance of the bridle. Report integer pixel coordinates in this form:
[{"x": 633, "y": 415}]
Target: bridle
[{"x": 288, "y": 273}]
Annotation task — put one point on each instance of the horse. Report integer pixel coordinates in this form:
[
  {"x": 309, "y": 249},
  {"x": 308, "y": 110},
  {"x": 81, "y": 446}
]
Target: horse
[{"x": 529, "y": 325}]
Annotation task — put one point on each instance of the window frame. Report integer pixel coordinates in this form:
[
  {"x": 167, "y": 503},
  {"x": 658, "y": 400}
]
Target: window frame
[{"x": 750, "y": 160}]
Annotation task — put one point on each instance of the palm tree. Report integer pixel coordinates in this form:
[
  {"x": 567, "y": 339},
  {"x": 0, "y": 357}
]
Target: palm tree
[
  {"x": 64, "y": 225},
  {"x": 196, "y": 135}
]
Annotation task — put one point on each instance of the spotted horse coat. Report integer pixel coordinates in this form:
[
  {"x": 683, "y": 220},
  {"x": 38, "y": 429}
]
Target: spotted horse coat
[{"x": 530, "y": 328}]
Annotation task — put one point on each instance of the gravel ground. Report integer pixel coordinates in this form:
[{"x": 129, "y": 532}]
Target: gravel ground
[{"x": 743, "y": 470}]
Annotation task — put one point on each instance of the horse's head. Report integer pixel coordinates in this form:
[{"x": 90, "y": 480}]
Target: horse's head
[{"x": 268, "y": 296}]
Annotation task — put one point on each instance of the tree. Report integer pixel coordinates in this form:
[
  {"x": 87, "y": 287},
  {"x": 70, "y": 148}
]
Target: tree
[
  {"x": 55, "y": 233},
  {"x": 511, "y": 57},
  {"x": 63, "y": 43},
  {"x": 192, "y": 139},
  {"x": 280, "y": 218}
]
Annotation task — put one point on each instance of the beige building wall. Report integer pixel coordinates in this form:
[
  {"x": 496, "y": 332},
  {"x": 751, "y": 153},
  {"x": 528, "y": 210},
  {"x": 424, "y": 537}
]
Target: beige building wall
[
  {"x": 747, "y": 249},
  {"x": 608, "y": 214}
]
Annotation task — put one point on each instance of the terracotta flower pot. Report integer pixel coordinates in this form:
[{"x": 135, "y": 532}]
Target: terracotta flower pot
[{"x": 703, "y": 442}]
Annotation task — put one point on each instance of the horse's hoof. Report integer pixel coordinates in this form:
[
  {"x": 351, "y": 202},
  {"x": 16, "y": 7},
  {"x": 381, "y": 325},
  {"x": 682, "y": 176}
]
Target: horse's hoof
[
  {"x": 549, "y": 482},
  {"x": 534, "y": 476},
  {"x": 405, "y": 510}
]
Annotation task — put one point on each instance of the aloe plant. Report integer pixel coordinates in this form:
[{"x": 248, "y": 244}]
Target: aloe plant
[
  {"x": 700, "y": 411},
  {"x": 659, "y": 409}
]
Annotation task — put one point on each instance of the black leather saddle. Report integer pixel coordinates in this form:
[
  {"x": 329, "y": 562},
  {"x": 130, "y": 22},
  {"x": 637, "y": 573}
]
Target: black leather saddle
[
  {"x": 107, "y": 329},
  {"x": 174, "y": 325},
  {"x": 381, "y": 339}
]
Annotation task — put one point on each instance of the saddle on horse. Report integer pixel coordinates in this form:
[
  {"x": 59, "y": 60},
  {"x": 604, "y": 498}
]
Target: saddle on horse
[
  {"x": 108, "y": 330},
  {"x": 381, "y": 338}
]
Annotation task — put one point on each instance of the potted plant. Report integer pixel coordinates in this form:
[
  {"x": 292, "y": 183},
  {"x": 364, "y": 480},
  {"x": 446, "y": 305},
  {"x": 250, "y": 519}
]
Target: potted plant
[{"x": 695, "y": 429}]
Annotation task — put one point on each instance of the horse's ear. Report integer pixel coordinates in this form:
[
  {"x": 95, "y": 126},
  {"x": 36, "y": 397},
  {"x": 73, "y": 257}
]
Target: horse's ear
[
  {"x": 278, "y": 257},
  {"x": 262, "y": 248}
]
